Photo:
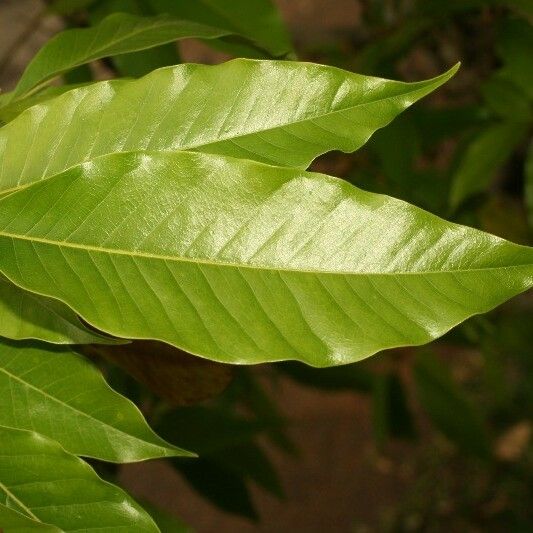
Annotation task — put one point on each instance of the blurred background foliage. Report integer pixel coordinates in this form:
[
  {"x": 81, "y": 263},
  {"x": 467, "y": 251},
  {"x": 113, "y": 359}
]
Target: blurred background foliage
[{"x": 455, "y": 417}]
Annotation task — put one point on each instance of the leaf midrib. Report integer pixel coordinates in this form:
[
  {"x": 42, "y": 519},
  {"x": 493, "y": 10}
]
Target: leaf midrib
[
  {"x": 16, "y": 500},
  {"x": 163, "y": 21},
  {"x": 178, "y": 259}
]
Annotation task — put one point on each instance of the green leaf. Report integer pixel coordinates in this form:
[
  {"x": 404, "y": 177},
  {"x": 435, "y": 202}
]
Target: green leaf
[
  {"x": 449, "y": 408},
  {"x": 12, "y": 521},
  {"x": 277, "y": 112},
  {"x": 257, "y": 20},
  {"x": 140, "y": 63},
  {"x": 117, "y": 34},
  {"x": 61, "y": 395},
  {"x": 39, "y": 479},
  {"x": 25, "y": 315},
  {"x": 483, "y": 158},
  {"x": 242, "y": 262},
  {"x": 137, "y": 64}
]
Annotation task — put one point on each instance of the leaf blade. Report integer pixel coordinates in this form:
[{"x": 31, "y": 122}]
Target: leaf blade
[
  {"x": 25, "y": 315},
  {"x": 257, "y": 20},
  {"x": 275, "y": 264},
  {"x": 14, "y": 522},
  {"x": 56, "y": 487},
  {"x": 40, "y": 391},
  {"x": 117, "y": 34},
  {"x": 186, "y": 108}
]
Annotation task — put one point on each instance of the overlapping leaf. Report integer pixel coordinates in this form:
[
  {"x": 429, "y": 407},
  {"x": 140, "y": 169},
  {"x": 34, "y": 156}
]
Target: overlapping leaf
[
  {"x": 278, "y": 112},
  {"x": 12, "y": 110},
  {"x": 12, "y": 521},
  {"x": 243, "y": 262},
  {"x": 25, "y": 315},
  {"x": 62, "y": 396},
  {"x": 257, "y": 20},
  {"x": 42, "y": 481},
  {"x": 117, "y": 34}
]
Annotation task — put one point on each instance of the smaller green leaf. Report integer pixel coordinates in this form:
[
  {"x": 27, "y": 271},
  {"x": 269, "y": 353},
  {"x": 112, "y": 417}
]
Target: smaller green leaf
[
  {"x": 137, "y": 64},
  {"x": 117, "y": 34},
  {"x": 62, "y": 396},
  {"x": 483, "y": 158},
  {"x": 449, "y": 408},
  {"x": 25, "y": 315},
  {"x": 39, "y": 479},
  {"x": 257, "y": 20},
  {"x": 140, "y": 63},
  {"x": 12, "y": 521}
]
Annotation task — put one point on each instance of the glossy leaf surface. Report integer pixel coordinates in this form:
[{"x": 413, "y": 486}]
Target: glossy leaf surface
[
  {"x": 25, "y": 315},
  {"x": 278, "y": 112},
  {"x": 117, "y": 34},
  {"x": 39, "y": 479},
  {"x": 61, "y": 395},
  {"x": 242, "y": 262},
  {"x": 14, "y": 109}
]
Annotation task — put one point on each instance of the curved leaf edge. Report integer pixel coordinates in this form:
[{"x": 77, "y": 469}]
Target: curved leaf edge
[{"x": 330, "y": 361}]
